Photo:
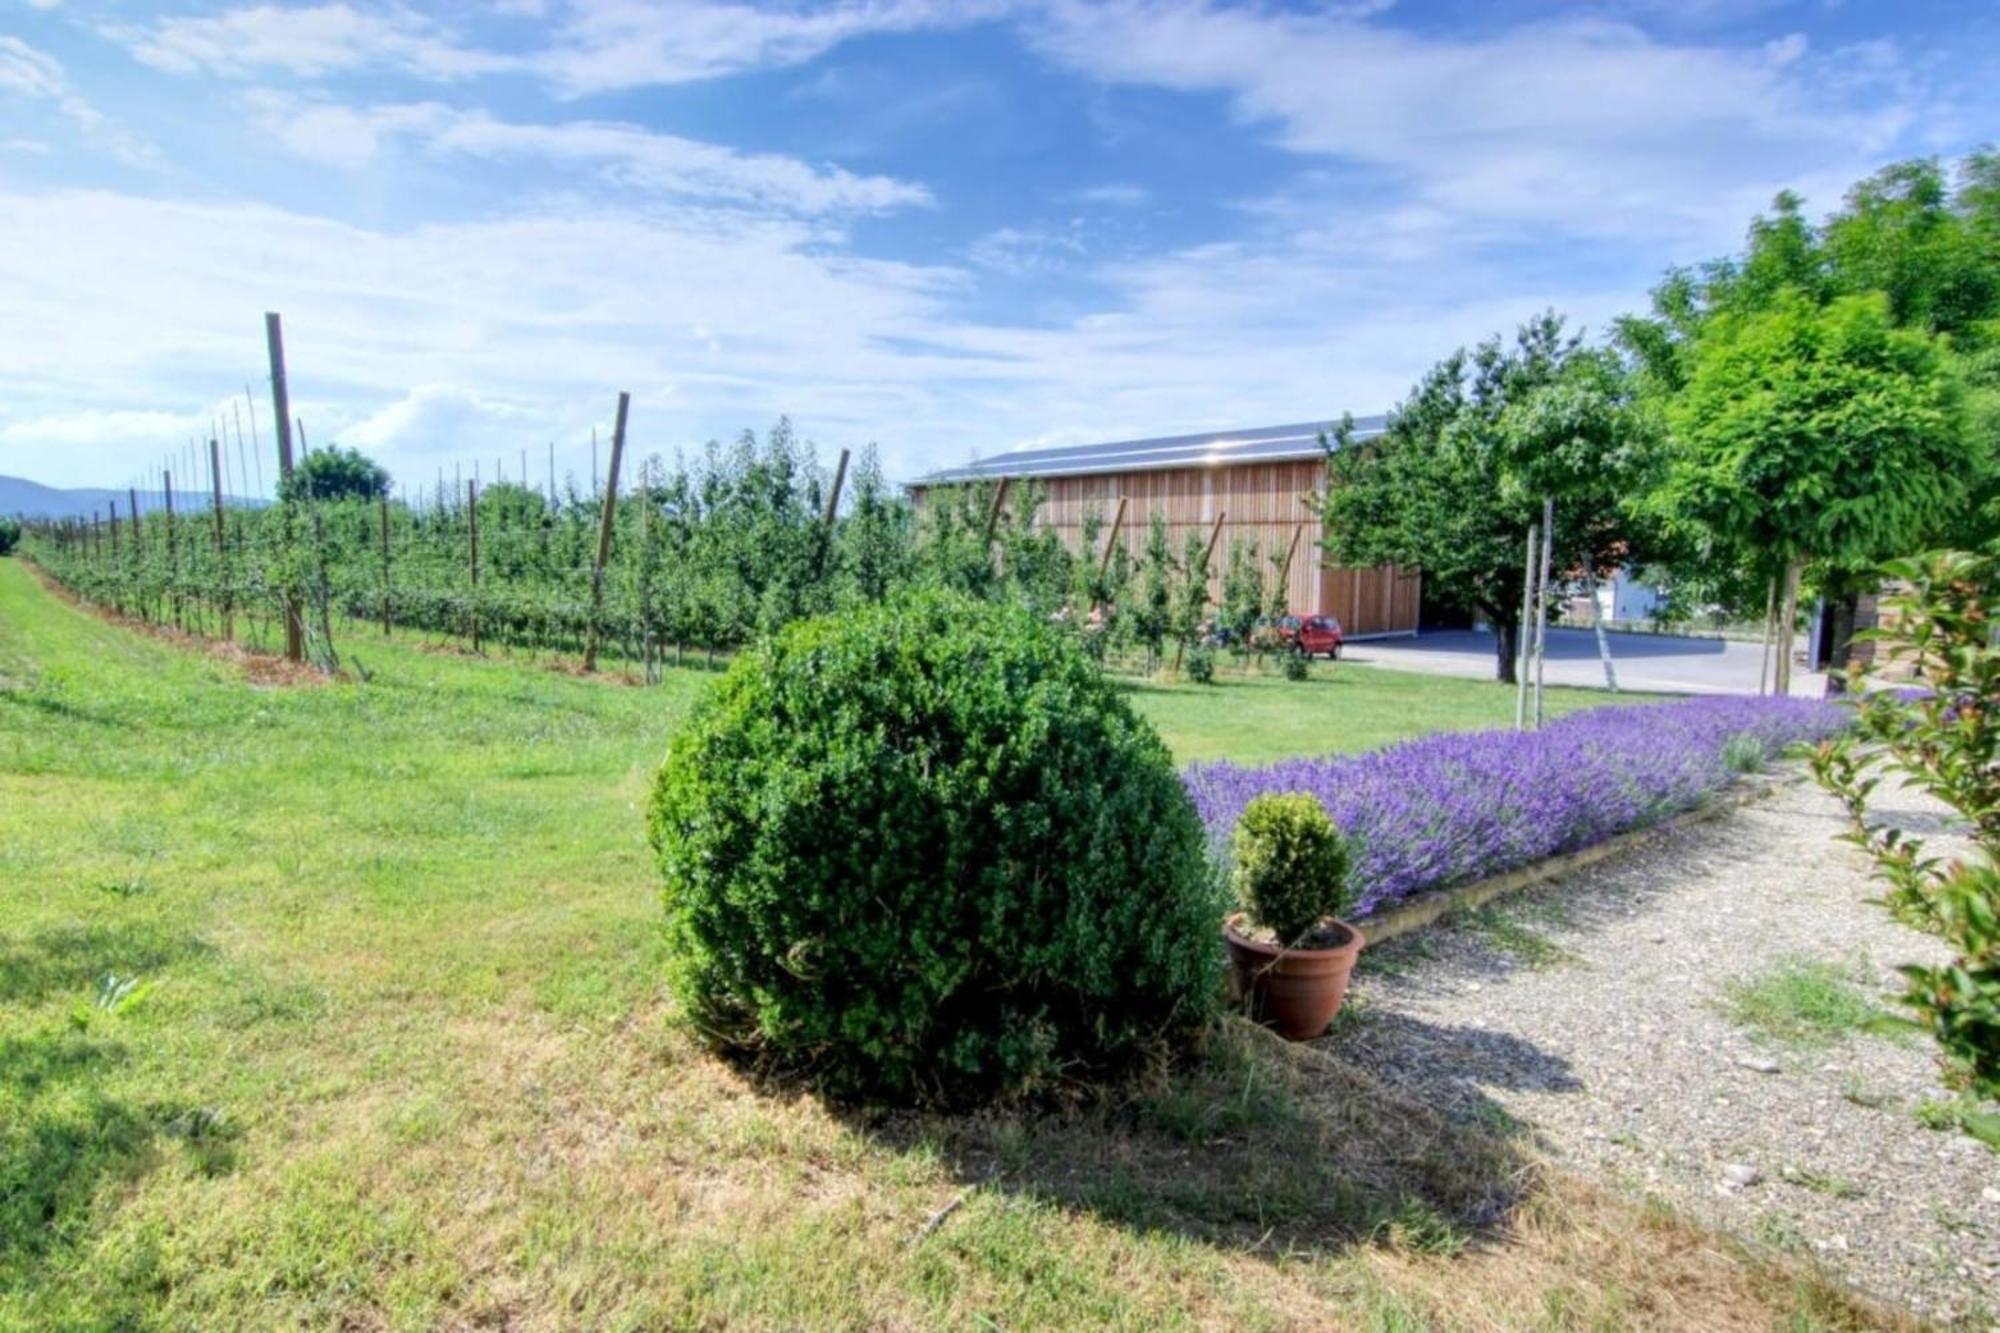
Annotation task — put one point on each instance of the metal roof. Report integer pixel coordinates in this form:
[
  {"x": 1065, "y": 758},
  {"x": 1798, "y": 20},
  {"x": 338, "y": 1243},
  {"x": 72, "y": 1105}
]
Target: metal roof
[{"x": 1265, "y": 444}]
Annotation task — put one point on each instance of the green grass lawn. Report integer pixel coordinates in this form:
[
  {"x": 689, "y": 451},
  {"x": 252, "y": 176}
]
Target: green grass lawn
[{"x": 337, "y": 1005}]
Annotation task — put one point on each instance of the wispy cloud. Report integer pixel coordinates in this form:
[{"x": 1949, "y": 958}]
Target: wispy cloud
[
  {"x": 1583, "y": 124},
  {"x": 622, "y": 156},
  {"x": 595, "y": 45},
  {"x": 34, "y": 74},
  {"x": 309, "y": 41}
]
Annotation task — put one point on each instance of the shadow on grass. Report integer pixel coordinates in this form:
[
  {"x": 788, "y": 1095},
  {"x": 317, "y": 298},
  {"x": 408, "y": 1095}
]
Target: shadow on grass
[
  {"x": 60, "y": 710},
  {"x": 1256, "y": 1145},
  {"x": 62, "y": 1135},
  {"x": 75, "y": 958}
]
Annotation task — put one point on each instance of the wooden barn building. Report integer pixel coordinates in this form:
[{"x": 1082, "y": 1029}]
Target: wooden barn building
[{"x": 1255, "y": 481}]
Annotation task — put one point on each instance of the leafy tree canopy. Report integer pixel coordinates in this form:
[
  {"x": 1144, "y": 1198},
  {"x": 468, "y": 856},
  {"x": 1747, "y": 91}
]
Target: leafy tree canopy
[
  {"x": 1807, "y": 432},
  {"x": 1468, "y": 457},
  {"x": 337, "y": 474}
]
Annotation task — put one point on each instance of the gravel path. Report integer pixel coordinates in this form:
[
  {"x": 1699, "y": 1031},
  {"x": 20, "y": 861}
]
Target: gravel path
[{"x": 1592, "y": 1010}]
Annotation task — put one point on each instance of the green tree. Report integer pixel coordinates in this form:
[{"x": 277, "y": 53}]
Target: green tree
[
  {"x": 1810, "y": 434},
  {"x": 872, "y": 546},
  {"x": 335, "y": 473},
  {"x": 1153, "y": 616},
  {"x": 1242, "y": 592},
  {"x": 1453, "y": 484}
]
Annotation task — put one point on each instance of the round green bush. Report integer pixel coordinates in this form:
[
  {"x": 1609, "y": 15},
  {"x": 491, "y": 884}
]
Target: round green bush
[
  {"x": 1290, "y": 864},
  {"x": 10, "y": 534},
  {"x": 1201, "y": 666},
  {"x": 926, "y": 852},
  {"x": 1297, "y": 667}
]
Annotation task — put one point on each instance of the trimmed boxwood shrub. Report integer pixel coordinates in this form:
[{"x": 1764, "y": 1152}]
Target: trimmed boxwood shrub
[
  {"x": 1291, "y": 864},
  {"x": 925, "y": 851}
]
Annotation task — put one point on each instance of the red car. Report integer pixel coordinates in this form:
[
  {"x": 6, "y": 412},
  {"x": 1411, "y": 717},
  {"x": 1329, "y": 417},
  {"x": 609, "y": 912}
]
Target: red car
[{"x": 1312, "y": 635}]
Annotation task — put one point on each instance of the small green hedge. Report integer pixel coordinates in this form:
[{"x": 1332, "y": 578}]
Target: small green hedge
[
  {"x": 1291, "y": 864},
  {"x": 926, "y": 852}
]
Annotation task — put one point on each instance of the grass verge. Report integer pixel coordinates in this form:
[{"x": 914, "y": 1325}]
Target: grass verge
[{"x": 337, "y": 1007}]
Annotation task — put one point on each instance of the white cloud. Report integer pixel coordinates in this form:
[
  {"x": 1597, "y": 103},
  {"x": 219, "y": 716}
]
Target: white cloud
[
  {"x": 310, "y": 41},
  {"x": 38, "y": 76},
  {"x": 1118, "y": 193},
  {"x": 447, "y": 419},
  {"x": 449, "y": 342},
  {"x": 626, "y": 157},
  {"x": 1578, "y": 123},
  {"x": 336, "y": 135},
  {"x": 598, "y": 45},
  {"x": 612, "y": 44},
  {"x": 1023, "y": 250},
  {"x": 667, "y": 164}
]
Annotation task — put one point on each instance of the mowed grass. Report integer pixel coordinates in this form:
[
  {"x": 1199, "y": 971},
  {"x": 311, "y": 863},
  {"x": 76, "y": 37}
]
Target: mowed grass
[{"x": 337, "y": 1006}]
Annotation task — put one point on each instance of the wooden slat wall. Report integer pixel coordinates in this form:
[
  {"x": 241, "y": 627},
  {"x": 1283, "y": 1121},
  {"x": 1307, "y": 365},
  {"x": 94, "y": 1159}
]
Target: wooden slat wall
[{"x": 1261, "y": 503}]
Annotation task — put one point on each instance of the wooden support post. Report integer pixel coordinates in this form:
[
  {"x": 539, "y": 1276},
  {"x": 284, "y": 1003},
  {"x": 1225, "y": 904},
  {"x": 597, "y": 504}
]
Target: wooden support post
[
  {"x": 1214, "y": 536},
  {"x": 832, "y": 508},
  {"x": 1542, "y": 603},
  {"x": 1285, "y": 566},
  {"x": 385, "y": 564},
  {"x": 173, "y": 572},
  {"x": 472, "y": 556},
  {"x": 221, "y": 546},
  {"x": 281, "y": 414},
  {"x": 1770, "y": 627},
  {"x": 1111, "y": 539},
  {"x": 993, "y": 510},
  {"x": 604, "y": 532},
  {"x": 833, "y": 496},
  {"x": 1521, "y": 633},
  {"x": 132, "y": 497}
]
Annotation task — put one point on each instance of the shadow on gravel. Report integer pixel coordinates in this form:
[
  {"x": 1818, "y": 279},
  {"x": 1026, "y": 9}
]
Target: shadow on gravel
[{"x": 1446, "y": 1067}]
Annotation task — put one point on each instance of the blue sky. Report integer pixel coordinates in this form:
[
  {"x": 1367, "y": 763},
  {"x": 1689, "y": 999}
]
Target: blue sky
[{"x": 950, "y": 227}]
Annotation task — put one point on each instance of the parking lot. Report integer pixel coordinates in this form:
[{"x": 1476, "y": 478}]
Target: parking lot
[{"x": 1661, "y": 663}]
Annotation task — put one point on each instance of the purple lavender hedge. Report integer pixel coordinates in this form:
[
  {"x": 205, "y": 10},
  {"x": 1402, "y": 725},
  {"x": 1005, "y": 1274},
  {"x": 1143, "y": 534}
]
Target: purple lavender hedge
[{"x": 1457, "y": 806}]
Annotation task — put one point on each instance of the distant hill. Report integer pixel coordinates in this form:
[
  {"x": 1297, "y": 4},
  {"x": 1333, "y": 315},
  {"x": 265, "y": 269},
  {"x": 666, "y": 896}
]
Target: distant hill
[{"x": 31, "y": 499}]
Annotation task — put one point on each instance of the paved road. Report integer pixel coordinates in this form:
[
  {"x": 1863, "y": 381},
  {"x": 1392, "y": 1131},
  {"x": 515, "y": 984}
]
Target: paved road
[{"x": 1655, "y": 662}]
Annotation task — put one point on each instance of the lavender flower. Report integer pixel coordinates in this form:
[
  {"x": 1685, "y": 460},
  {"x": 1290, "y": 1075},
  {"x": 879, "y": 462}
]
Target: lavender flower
[{"x": 1458, "y": 806}]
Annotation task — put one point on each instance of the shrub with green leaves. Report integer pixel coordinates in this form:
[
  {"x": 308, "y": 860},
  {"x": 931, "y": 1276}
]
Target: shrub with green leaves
[
  {"x": 1290, "y": 864},
  {"x": 10, "y": 534},
  {"x": 926, "y": 852},
  {"x": 1297, "y": 667},
  {"x": 1943, "y": 739},
  {"x": 1201, "y": 666}
]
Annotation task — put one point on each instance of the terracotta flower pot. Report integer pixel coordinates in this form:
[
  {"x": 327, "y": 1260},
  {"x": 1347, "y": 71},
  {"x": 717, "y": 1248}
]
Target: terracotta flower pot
[{"x": 1294, "y": 992}]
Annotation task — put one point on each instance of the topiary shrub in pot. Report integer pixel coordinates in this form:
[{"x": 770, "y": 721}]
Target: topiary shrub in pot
[
  {"x": 1290, "y": 956},
  {"x": 925, "y": 851}
]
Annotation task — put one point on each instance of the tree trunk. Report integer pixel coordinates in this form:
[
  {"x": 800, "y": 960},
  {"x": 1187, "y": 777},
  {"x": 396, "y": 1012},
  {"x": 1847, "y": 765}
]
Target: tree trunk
[
  {"x": 1840, "y": 652},
  {"x": 1788, "y": 617},
  {"x": 1507, "y": 643}
]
